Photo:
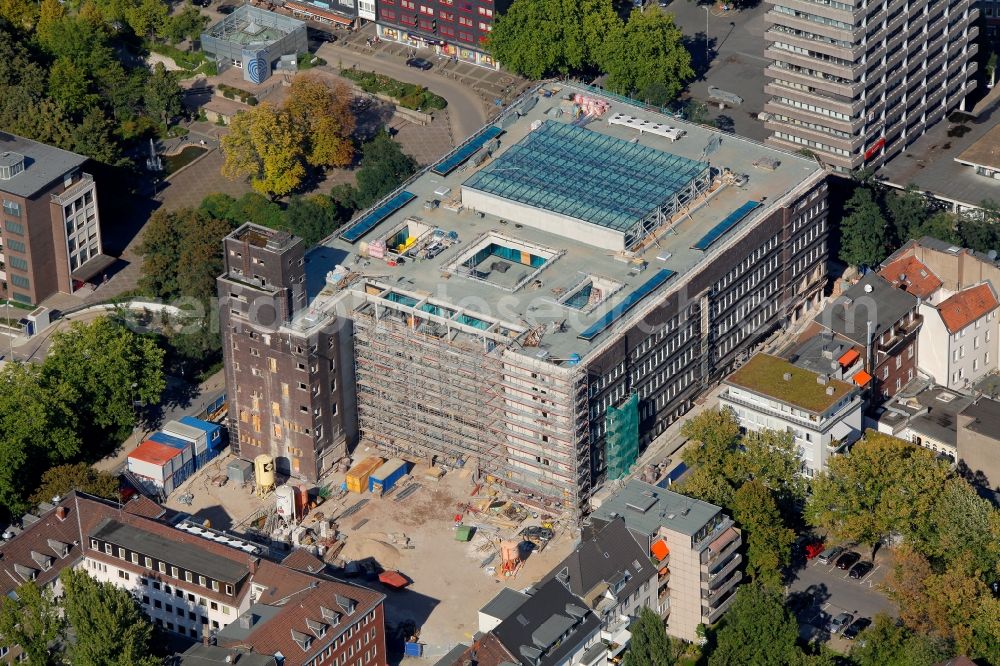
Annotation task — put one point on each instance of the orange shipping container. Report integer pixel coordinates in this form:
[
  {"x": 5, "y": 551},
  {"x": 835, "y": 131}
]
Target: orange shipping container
[{"x": 357, "y": 477}]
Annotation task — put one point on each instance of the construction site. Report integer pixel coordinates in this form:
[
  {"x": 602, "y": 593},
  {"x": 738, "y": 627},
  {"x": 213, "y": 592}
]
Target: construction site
[
  {"x": 437, "y": 543},
  {"x": 542, "y": 303}
]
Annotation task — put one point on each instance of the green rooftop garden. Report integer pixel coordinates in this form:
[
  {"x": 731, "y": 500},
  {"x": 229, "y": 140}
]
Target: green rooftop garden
[{"x": 765, "y": 374}]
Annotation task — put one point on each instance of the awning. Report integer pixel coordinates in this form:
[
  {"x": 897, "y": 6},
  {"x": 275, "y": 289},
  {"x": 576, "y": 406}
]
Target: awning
[
  {"x": 861, "y": 378},
  {"x": 844, "y": 433},
  {"x": 97, "y": 264},
  {"x": 849, "y": 357},
  {"x": 317, "y": 12},
  {"x": 659, "y": 550},
  {"x": 724, "y": 540}
]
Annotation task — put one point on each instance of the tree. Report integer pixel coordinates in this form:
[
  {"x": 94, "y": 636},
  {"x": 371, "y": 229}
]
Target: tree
[
  {"x": 940, "y": 225},
  {"x": 862, "y": 231},
  {"x": 162, "y": 96},
  {"x": 19, "y": 13},
  {"x": 69, "y": 85},
  {"x": 757, "y": 630},
  {"x": 962, "y": 523},
  {"x": 50, "y": 12},
  {"x": 886, "y": 485},
  {"x": 264, "y": 146},
  {"x": 324, "y": 118},
  {"x": 113, "y": 367},
  {"x": 109, "y": 626},
  {"x": 31, "y": 620},
  {"x": 384, "y": 167},
  {"x": 650, "y": 645},
  {"x": 888, "y": 643},
  {"x": 147, "y": 17},
  {"x": 769, "y": 542},
  {"x": 907, "y": 211},
  {"x": 95, "y": 138},
  {"x": 310, "y": 218},
  {"x": 537, "y": 38},
  {"x": 185, "y": 24},
  {"x": 59, "y": 480},
  {"x": 645, "y": 52}
]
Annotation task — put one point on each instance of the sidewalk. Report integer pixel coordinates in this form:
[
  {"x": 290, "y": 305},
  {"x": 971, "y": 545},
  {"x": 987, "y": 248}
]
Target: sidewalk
[{"x": 489, "y": 84}]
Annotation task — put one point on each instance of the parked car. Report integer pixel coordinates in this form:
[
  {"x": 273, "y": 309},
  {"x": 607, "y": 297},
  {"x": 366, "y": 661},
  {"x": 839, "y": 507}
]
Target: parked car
[
  {"x": 860, "y": 570},
  {"x": 226, "y": 9},
  {"x": 837, "y": 624},
  {"x": 813, "y": 549},
  {"x": 830, "y": 554},
  {"x": 419, "y": 63},
  {"x": 856, "y": 628},
  {"x": 201, "y": 3},
  {"x": 847, "y": 560}
]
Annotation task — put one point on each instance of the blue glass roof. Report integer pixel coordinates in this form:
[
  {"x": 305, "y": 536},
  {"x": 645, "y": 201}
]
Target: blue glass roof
[
  {"x": 586, "y": 175},
  {"x": 365, "y": 224},
  {"x": 465, "y": 151},
  {"x": 629, "y": 302},
  {"x": 730, "y": 221}
]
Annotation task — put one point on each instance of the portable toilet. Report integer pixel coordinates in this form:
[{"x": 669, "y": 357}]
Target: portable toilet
[
  {"x": 385, "y": 477},
  {"x": 463, "y": 533}
]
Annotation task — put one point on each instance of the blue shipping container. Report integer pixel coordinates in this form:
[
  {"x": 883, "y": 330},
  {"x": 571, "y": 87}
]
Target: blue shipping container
[
  {"x": 205, "y": 457},
  {"x": 175, "y": 442},
  {"x": 181, "y": 475},
  {"x": 213, "y": 430},
  {"x": 385, "y": 477},
  {"x": 413, "y": 649}
]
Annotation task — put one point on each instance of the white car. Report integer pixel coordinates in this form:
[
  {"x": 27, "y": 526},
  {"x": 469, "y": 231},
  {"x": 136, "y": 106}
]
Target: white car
[{"x": 837, "y": 624}]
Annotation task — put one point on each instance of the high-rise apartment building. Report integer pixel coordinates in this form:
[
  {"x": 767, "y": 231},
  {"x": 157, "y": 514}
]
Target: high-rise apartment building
[
  {"x": 855, "y": 83},
  {"x": 50, "y": 238},
  {"x": 282, "y": 383}
]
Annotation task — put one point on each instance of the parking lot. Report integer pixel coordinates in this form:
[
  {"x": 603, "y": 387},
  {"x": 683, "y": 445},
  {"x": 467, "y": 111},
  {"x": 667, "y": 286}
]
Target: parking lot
[{"x": 821, "y": 591}]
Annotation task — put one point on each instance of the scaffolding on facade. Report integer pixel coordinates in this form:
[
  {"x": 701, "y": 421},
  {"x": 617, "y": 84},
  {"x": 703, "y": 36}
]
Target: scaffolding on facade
[{"x": 622, "y": 440}]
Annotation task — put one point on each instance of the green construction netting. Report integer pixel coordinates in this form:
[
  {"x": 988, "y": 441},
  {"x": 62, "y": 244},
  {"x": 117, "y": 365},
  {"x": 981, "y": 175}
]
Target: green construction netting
[{"x": 622, "y": 440}]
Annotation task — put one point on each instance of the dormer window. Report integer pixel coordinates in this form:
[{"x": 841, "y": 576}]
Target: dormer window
[
  {"x": 11, "y": 164},
  {"x": 302, "y": 640},
  {"x": 318, "y": 628},
  {"x": 26, "y": 573},
  {"x": 43, "y": 561},
  {"x": 330, "y": 615}
]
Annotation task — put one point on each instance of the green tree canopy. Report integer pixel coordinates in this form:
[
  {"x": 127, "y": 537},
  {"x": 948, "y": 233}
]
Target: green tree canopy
[
  {"x": 32, "y": 621},
  {"x": 109, "y": 627},
  {"x": 769, "y": 542},
  {"x": 650, "y": 645},
  {"x": 863, "y": 230},
  {"x": 112, "y": 367},
  {"x": 538, "y": 38},
  {"x": 264, "y": 146},
  {"x": 162, "y": 95},
  {"x": 888, "y": 643},
  {"x": 886, "y": 485},
  {"x": 384, "y": 167},
  {"x": 59, "y": 480},
  {"x": 647, "y": 53},
  {"x": 757, "y": 630}
]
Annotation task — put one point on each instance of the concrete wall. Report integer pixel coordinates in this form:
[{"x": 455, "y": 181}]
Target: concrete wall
[
  {"x": 981, "y": 453},
  {"x": 537, "y": 218}
]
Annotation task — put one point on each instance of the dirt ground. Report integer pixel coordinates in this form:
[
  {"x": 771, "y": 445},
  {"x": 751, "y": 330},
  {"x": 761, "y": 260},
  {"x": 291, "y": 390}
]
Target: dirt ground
[{"x": 450, "y": 581}]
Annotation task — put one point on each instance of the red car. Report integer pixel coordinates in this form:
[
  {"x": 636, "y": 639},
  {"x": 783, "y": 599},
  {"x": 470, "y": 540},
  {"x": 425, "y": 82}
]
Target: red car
[{"x": 813, "y": 549}]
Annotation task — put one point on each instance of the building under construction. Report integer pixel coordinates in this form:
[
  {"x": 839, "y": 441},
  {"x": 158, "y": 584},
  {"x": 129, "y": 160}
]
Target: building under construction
[{"x": 544, "y": 301}]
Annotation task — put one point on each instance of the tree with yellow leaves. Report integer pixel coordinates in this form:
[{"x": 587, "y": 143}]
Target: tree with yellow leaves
[
  {"x": 323, "y": 115},
  {"x": 266, "y": 147}
]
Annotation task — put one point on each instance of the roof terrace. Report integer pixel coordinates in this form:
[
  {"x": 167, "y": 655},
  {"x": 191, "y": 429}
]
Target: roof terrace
[{"x": 547, "y": 253}]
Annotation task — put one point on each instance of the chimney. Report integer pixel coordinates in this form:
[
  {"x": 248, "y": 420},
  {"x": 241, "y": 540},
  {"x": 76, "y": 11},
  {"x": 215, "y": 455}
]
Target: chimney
[
  {"x": 829, "y": 390},
  {"x": 254, "y": 561},
  {"x": 787, "y": 376},
  {"x": 821, "y": 379},
  {"x": 61, "y": 513}
]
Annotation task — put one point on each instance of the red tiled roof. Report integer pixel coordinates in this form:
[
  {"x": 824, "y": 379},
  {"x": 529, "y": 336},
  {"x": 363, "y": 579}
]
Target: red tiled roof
[
  {"x": 488, "y": 651},
  {"x": 967, "y": 306},
  {"x": 911, "y": 274},
  {"x": 301, "y": 559},
  {"x": 300, "y": 596}
]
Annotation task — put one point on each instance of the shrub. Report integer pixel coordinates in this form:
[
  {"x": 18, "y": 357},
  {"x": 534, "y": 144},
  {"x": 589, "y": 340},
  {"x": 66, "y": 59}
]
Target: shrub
[{"x": 407, "y": 95}]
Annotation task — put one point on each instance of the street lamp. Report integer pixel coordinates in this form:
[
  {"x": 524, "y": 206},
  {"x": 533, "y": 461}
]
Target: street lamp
[{"x": 706, "y": 8}]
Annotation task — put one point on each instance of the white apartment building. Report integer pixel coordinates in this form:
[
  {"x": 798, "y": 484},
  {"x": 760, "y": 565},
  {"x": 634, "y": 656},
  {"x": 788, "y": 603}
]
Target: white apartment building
[
  {"x": 821, "y": 413},
  {"x": 856, "y": 81},
  {"x": 959, "y": 338},
  {"x": 694, "y": 545}
]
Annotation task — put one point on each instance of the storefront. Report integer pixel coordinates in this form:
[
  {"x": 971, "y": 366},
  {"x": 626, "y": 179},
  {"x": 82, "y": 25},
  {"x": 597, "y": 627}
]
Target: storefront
[{"x": 440, "y": 47}]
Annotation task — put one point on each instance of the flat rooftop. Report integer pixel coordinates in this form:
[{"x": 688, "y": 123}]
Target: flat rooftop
[
  {"x": 931, "y": 163},
  {"x": 776, "y": 378},
  {"x": 502, "y": 265},
  {"x": 646, "y": 508},
  {"x": 34, "y": 165}
]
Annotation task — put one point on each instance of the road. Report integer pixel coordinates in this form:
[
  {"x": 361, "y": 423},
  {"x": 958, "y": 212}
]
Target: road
[
  {"x": 180, "y": 399},
  {"x": 465, "y": 107}
]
